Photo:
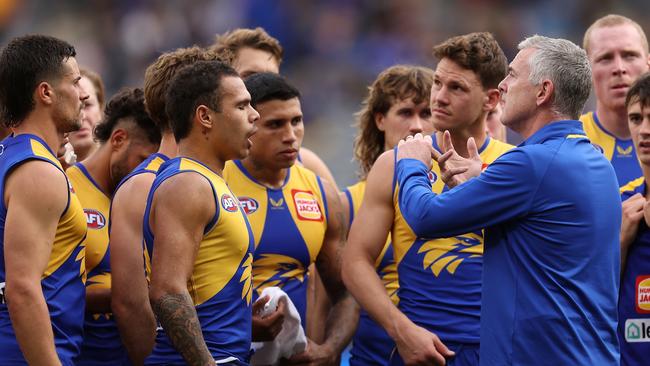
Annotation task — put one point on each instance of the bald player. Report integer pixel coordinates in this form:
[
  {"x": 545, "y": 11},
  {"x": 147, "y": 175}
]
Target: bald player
[{"x": 617, "y": 48}]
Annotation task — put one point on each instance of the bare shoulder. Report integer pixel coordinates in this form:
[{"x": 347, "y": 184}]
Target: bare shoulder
[
  {"x": 380, "y": 177},
  {"x": 137, "y": 185},
  {"x": 187, "y": 193},
  {"x": 37, "y": 183},
  {"x": 130, "y": 199}
]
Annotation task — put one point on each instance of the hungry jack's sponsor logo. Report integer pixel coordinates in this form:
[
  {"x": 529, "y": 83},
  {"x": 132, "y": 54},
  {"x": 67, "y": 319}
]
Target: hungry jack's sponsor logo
[
  {"x": 642, "y": 300},
  {"x": 307, "y": 207}
]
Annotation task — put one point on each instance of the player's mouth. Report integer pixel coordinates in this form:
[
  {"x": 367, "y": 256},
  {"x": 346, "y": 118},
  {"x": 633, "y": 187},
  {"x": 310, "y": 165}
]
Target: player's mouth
[
  {"x": 440, "y": 112},
  {"x": 289, "y": 153},
  {"x": 620, "y": 87}
]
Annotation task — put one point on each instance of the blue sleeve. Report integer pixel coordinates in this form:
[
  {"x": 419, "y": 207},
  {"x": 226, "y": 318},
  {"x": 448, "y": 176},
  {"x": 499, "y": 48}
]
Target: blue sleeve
[{"x": 502, "y": 192}]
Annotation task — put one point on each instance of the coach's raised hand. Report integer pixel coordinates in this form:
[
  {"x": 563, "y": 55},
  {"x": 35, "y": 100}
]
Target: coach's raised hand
[
  {"x": 416, "y": 147},
  {"x": 455, "y": 169}
]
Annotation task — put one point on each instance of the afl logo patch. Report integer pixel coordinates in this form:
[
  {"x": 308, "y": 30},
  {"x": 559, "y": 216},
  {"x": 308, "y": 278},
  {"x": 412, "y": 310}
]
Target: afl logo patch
[
  {"x": 228, "y": 203},
  {"x": 248, "y": 204},
  {"x": 307, "y": 207},
  {"x": 94, "y": 219},
  {"x": 432, "y": 177}
]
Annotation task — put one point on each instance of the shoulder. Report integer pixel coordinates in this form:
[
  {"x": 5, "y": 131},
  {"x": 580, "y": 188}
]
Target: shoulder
[
  {"x": 135, "y": 186},
  {"x": 27, "y": 179},
  {"x": 381, "y": 181},
  {"x": 385, "y": 162}
]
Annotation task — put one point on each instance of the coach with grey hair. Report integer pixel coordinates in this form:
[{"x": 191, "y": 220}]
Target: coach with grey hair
[{"x": 552, "y": 212}]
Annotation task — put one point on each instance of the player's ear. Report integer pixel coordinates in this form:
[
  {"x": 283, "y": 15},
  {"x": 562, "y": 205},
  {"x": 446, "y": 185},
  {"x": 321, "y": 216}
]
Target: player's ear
[
  {"x": 203, "y": 116},
  {"x": 491, "y": 100},
  {"x": 379, "y": 121},
  {"x": 44, "y": 93},
  {"x": 119, "y": 138},
  {"x": 545, "y": 92}
]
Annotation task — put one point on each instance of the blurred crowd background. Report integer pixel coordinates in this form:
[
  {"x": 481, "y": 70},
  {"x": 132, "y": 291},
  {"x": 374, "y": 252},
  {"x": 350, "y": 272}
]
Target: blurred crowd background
[{"x": 333, "y": 48}]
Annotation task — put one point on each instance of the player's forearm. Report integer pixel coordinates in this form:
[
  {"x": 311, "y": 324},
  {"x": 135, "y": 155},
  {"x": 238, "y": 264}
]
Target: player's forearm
[
  {"x": 30, "y": 319},
  {"x": 341, "y": 323},
  {"x": 364, "y": 284},
  {"x": 137, "y": 325},
  {"x": 178, "y": 317},
  {"x": 98, "y": 300}
]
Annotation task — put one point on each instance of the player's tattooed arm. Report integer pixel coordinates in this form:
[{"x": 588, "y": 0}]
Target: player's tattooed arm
[
  {"x": 178, "y": 317},
  {"x": 178, "y": 230}
]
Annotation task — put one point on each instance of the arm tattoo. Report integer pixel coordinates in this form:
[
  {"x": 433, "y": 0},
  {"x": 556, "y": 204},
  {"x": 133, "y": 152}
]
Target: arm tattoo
[{"x": 178, "y": 318}]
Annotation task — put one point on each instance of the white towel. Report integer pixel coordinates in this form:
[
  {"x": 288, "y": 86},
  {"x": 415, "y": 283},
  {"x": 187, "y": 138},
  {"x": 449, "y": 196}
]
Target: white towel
[{"x": 290, "y": 341}]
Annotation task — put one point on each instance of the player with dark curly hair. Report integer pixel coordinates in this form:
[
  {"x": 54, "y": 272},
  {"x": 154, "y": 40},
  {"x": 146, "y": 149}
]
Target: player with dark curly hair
[{"x": 126, "y": 136}]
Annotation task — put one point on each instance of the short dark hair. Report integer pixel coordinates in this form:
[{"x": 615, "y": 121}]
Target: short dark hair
[
  {"x": 24, "y": 63},
  {"x": 267, "y": 86},
  {"x": 478, "y": 52},
  {"x": 127, "y": 103},
  {"x": 639, "y": 92},
  {"x": 194, "y": 85}
]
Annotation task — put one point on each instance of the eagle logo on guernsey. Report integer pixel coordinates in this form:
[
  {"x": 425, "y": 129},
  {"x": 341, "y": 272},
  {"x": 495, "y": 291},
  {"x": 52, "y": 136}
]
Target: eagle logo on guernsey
[
  {"x": 449, "y": 253},
  {"x": 94, "y": 219},
  {"x": 307, "y": 207},
  {"x": 100, "y": 281},
  {"x": 276, "y": 270},
  {"x": 248, "y": 204},
  {"x": 643, "y": 294},
  {"x": 229, "y": 203},
  {"x": 246, "y": 279}
]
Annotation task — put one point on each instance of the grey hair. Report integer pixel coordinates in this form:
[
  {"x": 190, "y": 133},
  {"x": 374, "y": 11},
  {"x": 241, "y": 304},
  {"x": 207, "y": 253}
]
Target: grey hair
[{"x": 567, "y": 66}]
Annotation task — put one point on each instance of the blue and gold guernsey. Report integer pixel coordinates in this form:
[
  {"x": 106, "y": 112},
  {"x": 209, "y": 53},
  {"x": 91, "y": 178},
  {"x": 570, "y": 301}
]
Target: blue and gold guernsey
[
  {"x": 63, "y": 279},
  {"x": 102, "y": 344},
  {"x": 288, "y": 224},
  {"x": 440, "y": 279},
  {"x": 620, "y": 153},
  {"x": 371, "y": 345},
  {"x": 221, "y": 281},
  {"x": 634, "y": 298}
]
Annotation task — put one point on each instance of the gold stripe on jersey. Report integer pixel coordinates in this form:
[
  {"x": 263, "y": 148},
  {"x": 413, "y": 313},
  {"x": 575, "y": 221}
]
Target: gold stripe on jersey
[
  {"x": 71, "y": 228},
  {"x": 223, "y": 247}
]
